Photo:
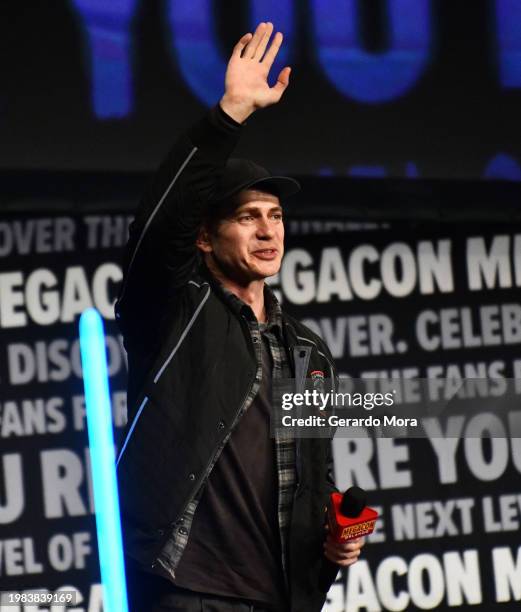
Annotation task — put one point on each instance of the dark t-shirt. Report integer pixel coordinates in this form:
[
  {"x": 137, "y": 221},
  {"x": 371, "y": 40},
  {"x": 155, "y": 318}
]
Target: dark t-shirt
[{"x": 234, "y": 543}]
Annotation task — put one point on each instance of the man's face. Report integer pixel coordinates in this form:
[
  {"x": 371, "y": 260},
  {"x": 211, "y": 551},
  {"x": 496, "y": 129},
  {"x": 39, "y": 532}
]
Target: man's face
[{"x": 248, "y": 243}]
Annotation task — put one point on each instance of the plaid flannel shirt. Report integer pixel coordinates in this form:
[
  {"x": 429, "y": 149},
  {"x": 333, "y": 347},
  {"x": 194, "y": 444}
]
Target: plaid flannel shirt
[{"x": 284, "y": 442}]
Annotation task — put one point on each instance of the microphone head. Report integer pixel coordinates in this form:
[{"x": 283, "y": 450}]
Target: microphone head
[{"x": 353, "y": 502}]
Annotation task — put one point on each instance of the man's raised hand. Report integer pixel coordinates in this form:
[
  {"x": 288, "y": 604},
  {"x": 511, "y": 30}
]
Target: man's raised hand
[{"x": 246, "y": 82}]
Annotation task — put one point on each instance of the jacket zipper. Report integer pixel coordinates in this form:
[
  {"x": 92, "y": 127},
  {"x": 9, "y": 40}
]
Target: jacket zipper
[
  {"x": 207, "y": 470},
  {"x": 217, "y": 452}
]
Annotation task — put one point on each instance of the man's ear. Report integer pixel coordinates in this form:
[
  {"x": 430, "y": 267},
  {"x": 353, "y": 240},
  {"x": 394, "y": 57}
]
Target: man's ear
[{"x": 203, "y": 241}]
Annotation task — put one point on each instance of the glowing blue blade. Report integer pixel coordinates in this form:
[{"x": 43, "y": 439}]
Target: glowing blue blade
[{"x": 103, "y": 465}]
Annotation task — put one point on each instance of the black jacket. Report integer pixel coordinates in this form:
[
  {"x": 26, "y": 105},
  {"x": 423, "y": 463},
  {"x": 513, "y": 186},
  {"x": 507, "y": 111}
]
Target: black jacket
[{"x": 191, "y": 364}]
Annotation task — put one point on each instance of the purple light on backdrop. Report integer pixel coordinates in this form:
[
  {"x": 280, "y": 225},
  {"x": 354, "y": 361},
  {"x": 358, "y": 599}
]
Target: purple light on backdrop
[
  {"x": 108, "y": 45},
  {"x": 197, "y": 52},
  {"x": 364, "y": 77},
  {"x": 356, "y": 73},
  {"x": 509, "y": 37},
  {"x": 367, "y": 171},
  {"x": 372, "y": 77},
  {"x": 503, "y": 167}
]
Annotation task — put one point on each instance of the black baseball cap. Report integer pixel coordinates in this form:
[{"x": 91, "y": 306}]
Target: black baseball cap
[{"x": 242, "y": 174}]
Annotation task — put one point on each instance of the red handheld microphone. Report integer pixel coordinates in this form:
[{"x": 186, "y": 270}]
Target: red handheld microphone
[{"x": 348, "y": 518}]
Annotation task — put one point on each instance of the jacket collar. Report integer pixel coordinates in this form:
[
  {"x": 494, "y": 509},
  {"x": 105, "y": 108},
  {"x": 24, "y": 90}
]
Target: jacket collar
[{"x": 240, "y": 308}]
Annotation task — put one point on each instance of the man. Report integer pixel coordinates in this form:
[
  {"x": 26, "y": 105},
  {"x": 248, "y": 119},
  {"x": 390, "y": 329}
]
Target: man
[{"x": 217, "y": 515}]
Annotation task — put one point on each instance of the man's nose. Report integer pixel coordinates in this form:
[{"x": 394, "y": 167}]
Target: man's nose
[{"x": 264, "y": 228}]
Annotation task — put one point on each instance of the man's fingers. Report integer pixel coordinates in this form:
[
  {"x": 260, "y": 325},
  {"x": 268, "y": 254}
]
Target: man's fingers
[
  {"x": 282, "y": 81},
  {"x": 255, "y": 41},
  {"x": 271, "y": 53},
  {"x": 341, "y": 557},
  {"x": 340, "y": 562},
  {"x": 332, "y": 555},
  {"x": 343, "y": 553},
  {"x": 344, "y": 549},
  {"x": 259, "y": 52},
  {"x": 349, "y": 546},
  {"x": 239, "y": 47}
]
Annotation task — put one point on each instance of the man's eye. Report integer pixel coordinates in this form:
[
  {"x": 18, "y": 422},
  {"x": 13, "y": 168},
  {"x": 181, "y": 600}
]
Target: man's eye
[
  {"x": 277, "y": 216},
  {"x": 246, "y": 218}
]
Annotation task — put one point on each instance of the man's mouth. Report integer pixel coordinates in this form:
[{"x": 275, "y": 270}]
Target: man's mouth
[{"x": 266, "y": 254}]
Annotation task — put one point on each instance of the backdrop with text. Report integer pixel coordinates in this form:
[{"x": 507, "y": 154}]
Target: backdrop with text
[{"x": 392, "y": 298}]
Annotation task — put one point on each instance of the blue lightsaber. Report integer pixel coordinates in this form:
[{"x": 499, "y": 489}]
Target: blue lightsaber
[{"x": 103, "y": 461}]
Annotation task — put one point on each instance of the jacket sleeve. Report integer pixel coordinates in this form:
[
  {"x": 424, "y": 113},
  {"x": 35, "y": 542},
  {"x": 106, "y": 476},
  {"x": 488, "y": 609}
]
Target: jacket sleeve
[{"x": 161, "y": 251}]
